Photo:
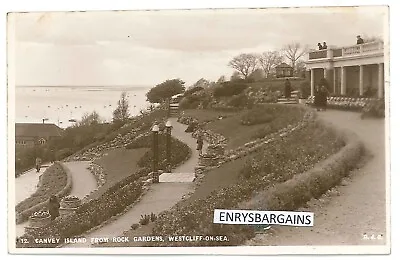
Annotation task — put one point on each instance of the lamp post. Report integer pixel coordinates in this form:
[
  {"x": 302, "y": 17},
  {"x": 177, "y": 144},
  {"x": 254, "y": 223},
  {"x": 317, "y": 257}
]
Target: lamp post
[
  {"x": 155, "y": 130},
  {"x": 168, "y": 125}
]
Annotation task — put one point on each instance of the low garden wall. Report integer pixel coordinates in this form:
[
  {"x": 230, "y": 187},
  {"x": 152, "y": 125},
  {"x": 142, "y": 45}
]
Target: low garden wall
[{"x": 38, "y": 203}]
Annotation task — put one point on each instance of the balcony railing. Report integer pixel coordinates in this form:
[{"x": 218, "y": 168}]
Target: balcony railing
[
  {"x": 355, "y": 50},
  {"x": 320, "y": 54}
]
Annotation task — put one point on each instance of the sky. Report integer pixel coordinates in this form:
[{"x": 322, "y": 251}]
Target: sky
[{"x": 144, "y": 48}]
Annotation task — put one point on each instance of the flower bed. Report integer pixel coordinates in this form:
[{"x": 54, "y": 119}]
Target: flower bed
[
  {"x": 70, "y": 202},
  {"x": 279, "y": 162},
  {"x": 109, "y": 204},
  {"x": 39, "y": 219},
  {"x": 56, "y": 180},
  {"x": 345, "y": 103}
]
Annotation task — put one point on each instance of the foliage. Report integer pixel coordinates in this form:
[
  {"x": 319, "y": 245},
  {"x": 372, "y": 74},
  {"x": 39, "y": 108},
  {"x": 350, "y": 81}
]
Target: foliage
[
  {"x": 121, "y": 113},
  {"x": 52, "y": 181},
  {"x": 375, "y": 108},
  {"x": 192, "y": 90},
  {"x": 245, "y": 64},
  {"x": 274, "y": 114},
  {"x": 305, "y": 90},
  {"x": 144, "y": 220},
  {"x": 229, "y": 89},
  {"x": 241, "y": 101},
  {"x": 268, "y": 60},
  {"x": 165, "y": 90},
  {"x": 281, "y": 161},
  {"x": 89, "y": 119},
  {"x": 257, "y": 75}
]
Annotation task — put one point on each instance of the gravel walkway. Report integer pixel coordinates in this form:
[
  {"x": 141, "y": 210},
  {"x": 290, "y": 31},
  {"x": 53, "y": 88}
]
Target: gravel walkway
[
  {"x": 83, "y": 181},
  {"x": 360, "y": 207},
  {"x": 25, "y": 186}
]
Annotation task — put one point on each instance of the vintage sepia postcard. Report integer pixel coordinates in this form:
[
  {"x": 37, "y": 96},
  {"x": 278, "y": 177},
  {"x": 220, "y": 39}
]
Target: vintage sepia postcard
[{"x": 204, "y": 131}]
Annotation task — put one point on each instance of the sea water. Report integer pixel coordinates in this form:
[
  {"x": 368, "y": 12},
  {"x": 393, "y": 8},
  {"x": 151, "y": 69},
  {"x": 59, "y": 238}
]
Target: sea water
[{"x": 61, "y": 105}]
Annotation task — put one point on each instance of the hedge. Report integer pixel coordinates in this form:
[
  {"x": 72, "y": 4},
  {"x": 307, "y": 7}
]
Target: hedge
[{"x": 38, "y": 200}]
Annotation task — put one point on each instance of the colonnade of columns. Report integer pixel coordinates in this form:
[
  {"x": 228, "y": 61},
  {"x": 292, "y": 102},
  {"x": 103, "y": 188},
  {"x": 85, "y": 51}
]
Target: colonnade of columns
[{"x": 329, "y": 74}]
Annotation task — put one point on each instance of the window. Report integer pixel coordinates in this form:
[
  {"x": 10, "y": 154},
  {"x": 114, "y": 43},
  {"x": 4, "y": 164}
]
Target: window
[{"x": 42, "y": 141}]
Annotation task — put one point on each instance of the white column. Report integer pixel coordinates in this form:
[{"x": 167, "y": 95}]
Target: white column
[
  {"x": 312, "y": 82},
  {"x": 343, "y": 81},
  {"x": 361, "y": 81},
  {"x": 325, "y": 73},
  {"x": 380, "y": 80},
  {"x": 334, "y": 80}
]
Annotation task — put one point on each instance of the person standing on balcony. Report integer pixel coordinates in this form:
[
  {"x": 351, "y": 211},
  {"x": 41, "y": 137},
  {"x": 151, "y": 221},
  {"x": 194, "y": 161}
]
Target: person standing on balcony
[
  {"x": 359, "y": 40},
  {"x": 324, "y": 46},
  {"x": 320, "y": 46}
]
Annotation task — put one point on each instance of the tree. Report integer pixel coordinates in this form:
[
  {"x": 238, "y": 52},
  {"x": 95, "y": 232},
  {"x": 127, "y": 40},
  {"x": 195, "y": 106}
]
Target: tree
[
  {"x": 293, "y": 52},
  {"x": 221, "y": 79},
  {"x": 268, "y": 60},
  {"x": 163, "y": 91},
  {"x": 235, "y": 76},
  {"x": 202, "y": 83},
  {"x": 257, "y": 75},
  {"x": 89, "y": 119},
  {"x": 245, "y": 64},
  {"x": 121, "y": 113},
  {"x": 300, "y": 68}
]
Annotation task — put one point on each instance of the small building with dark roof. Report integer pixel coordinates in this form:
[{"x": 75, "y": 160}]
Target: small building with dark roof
[
  {"x": 30, "y": 134},
  {"x": 283, "y": 70}
]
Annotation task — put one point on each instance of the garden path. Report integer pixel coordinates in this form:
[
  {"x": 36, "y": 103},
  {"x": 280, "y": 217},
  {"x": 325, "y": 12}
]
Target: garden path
[
  {"x": 160, "y": 196},
  {"x": 25, "y": 186},
  {"x": 184, "y": 172},
  {"x": 360, "y": 207},
  {"x": 83, "y": 181}
]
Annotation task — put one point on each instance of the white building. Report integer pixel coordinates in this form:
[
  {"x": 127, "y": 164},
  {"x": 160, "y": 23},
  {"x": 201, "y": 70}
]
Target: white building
[{"x": 351, "y": 70}]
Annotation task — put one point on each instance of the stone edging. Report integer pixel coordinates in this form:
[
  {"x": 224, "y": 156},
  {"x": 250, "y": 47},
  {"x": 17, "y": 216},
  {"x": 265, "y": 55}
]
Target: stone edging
[
  {"x": 253, "y": 146},
  {"x": 65, "y": 191}
]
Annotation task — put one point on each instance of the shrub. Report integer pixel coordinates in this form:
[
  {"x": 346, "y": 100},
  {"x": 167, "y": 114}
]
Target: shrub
[
  {"x": 193, "y": 90},
  {"x": 135, "y": 226},
  {"x": 144, "y": 220},
  {"x": 229, "y": 89},
  {"x": 241, "y": 101}
]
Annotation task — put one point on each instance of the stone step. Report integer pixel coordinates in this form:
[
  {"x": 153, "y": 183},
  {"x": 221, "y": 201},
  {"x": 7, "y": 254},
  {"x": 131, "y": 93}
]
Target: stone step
[{"x": 177, "y": 177}]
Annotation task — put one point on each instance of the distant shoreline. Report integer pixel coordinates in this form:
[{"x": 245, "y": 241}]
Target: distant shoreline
[{"x": 127, "y": 87}]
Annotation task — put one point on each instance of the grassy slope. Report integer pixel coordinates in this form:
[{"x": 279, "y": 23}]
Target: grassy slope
[
  {"x": 118, "y": 164},
  {"x": 230, "y": 127}
]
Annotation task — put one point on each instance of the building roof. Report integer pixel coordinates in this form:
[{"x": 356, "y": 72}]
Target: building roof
[
  {"x": 37, "y": 130},
  {"x": 283, "y": 65}
]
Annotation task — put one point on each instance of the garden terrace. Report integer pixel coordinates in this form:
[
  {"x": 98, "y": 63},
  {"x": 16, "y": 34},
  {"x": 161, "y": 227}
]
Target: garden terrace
[
  {"x": 279, "y": 162},
  {"x": 247, "y": 125}
]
